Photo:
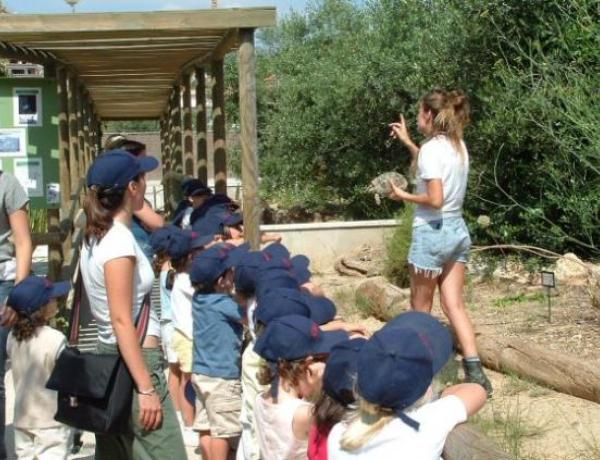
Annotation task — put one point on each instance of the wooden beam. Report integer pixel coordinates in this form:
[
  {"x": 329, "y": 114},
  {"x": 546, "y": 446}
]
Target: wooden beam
[
  {"x": 181, "y": 21},
  {"x": 87, "y": 156},
  {"x": 63, "y": 135},
  {"x": 249, "y": 138},
  {"x": 227, "y": 43},
  {"x": 218, "y": 118},
  {"x": 177, "y": 152},
  {"x": 188, "y": 135},
  {"x": 80, "y": 131},
  {"x": 22, "y": 53},
  {"x": 73, "y": 131},
  {"x": 201, "y": 128}
]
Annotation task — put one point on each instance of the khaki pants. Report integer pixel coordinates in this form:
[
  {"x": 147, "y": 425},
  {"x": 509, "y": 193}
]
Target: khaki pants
[
  {"x": 165, "y": 442},
  {"x": 43, "y": 443}
]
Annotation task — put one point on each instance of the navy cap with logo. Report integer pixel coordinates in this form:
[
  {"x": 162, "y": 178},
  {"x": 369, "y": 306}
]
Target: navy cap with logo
[
  {"x": 339, "y": 377},
  {"x": 160, "y": 237},
  {"x": 245, "y": 272},
  {"x": 194, "y": 187},
  {"x": 179, "y": 243},
  {"x": 295, "y": 337},
  {"x": 211, "y": 263},
  {"x": 269, "y": 279},
  {"x": 396, "y": 366},
  {"x": 116, "y": 168},
  {"x": 284, "y": 301},
  {"x": 34, "y": 292}
]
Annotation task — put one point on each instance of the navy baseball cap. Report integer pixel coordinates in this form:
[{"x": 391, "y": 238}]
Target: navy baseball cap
[
  {"x": 285, "y": 301},
  {"x": 396, "y": 366},
  {"x": 246, "y": 270},
  {"x": 339, "y": 377},
  {"x": 269, "y": 279},
  {"x": 116, "y": 168},
  {"x": 34, "y": 292},
  {"x": 232, "y": 218},
  {"x": 295, "y": 337},
  {"x": 194, "y": 187},
  {"x": 211, "y": 263},
  {"x": 300, "y": 269},
  {"x": 160, "y": 237}
]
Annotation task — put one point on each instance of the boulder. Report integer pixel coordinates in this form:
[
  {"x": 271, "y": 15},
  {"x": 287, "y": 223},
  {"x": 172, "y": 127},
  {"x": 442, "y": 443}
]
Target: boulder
[
  {"x": 381, "y": 299},
  {"x": 570, "y": 269}
]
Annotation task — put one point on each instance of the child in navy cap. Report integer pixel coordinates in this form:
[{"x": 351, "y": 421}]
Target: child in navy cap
[
  {"x": 394, "y": 382},
  {"x": 195, "y": 194},
  {"x": 296, "y": 349},
  {"x": 217, "y": 326},
  {"x": 181, "y": 246},
  {"x": 33, "y": 348},
  {"x": 337, "y": 397}
]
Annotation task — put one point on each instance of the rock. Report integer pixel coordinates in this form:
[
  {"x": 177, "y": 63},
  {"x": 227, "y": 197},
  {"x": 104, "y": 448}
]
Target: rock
[
  {"x": 366, "y": 261},
  {"x": 381, "y": 299},
  {"x": 570, "y": 269}
]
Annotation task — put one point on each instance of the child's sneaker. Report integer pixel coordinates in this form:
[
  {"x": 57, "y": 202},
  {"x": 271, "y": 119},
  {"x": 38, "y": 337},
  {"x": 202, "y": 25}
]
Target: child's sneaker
[
  {"x": 191, "y": 438},
  {"x": 474, "y": 374}
]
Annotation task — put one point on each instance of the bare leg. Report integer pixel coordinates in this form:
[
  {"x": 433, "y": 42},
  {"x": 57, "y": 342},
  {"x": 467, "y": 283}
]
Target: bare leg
[
  {"x": 174, "y": 384},
  {"x": 187, "y": 408},
  {"x": 451, "y": 284},
  {"x": 219, "y": 448},
  {"x": 422, "y": 289},
  {"x": 205, "y": 445}
]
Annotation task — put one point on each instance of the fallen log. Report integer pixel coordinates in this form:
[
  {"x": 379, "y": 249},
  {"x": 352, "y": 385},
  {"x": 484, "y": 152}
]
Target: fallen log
[
  {"x": 564, "y": 373},
  {"x": 467, "y": 443}
]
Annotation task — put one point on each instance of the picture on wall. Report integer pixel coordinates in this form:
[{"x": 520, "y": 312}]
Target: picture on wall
[
  {"x": 12, "y": 143},
  {"x": 30, "y": 173},
  {"x": 28, "y": 106}
]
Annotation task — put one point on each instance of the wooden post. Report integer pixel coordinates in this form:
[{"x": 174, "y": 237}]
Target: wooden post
[
  {"x": 188, "y": 135},
  {"x": 201, "y": 131},
  {"x": 164, "y": 147},
  {"x": 55, "y": 258},
  {"x": 80, "y": 132},
  {"x": 177, "y": 155},
  {"x": 63, "y": 138},
  {"x": 249, "y": 137},
  {"x": 87, "y": 134},
  {"x": 218, "y": 116},
  {"x": 99, "y": 145},
  {"x": 73, "y": 134}
]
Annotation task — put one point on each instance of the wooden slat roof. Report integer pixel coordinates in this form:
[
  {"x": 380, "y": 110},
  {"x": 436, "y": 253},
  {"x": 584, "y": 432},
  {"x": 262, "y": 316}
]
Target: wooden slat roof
[{"x": 129, "y": 62}]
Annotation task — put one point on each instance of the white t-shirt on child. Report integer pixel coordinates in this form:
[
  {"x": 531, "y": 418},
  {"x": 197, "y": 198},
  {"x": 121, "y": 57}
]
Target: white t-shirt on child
[
  {"x": 438, "y": 159},
  {"x": 181, "y": 304},
  {"x": 118, "y": 242},
  {"x": 399, "y": 441},
  {"x": 32, "y": 361}
]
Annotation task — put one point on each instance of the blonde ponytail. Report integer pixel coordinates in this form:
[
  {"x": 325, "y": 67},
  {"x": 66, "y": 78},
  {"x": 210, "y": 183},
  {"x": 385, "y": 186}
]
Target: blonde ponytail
[
  {"x": 368, "y": 421},
  {"x": 450, "y": 110}
]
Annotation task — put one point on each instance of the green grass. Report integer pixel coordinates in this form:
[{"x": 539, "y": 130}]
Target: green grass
[
  {"x": 395, "y": 266},
  {"x": 507, "y": 425},
  {"x": 516, "y": 299}
]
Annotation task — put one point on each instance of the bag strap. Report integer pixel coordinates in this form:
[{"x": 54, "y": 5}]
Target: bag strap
[{"x": 141, "y": 322}]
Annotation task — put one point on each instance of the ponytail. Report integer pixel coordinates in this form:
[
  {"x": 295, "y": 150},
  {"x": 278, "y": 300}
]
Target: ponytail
[
  {"x": 450, "y": 110},
  {"x": 100, "y": 206}
]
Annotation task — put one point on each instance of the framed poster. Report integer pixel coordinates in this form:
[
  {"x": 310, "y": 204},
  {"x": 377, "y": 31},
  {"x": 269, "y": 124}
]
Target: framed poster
[
  {"x": 13, "y": 143},
  {"x": 27, "y": 103},
  {"x": 30, "y": 173}
]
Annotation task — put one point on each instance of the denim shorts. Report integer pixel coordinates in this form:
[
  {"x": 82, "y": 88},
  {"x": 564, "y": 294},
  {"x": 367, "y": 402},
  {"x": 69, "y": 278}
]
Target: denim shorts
[{"x": 437, "y": 243}]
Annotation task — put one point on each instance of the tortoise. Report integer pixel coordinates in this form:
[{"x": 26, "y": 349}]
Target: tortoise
[{"x": 380, "y": 186}]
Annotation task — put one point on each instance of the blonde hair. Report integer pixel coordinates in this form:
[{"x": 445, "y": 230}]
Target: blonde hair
[
  {"x": 450, "y": 110},
  {"x": 369, "y": 420}
]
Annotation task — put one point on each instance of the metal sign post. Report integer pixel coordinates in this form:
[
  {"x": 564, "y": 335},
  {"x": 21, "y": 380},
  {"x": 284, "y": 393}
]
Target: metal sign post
[{"x": 548, "y": 282}]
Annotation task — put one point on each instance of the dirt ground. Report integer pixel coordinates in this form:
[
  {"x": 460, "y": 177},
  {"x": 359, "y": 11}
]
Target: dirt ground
[{"x": 527, "y": 420}]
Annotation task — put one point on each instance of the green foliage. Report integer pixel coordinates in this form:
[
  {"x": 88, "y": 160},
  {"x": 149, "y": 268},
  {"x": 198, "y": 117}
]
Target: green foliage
[
  {"x": 38, "y": 220},
  {"x": 396, "y": 259},
  {"x": 519, "y": 298},
  {"x": 330, "y": 80},
  {"x": 132, "y": 126}
]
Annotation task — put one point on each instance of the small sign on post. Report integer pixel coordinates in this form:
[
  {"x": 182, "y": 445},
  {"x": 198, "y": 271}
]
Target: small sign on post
[{"x": 549, "y": 282}]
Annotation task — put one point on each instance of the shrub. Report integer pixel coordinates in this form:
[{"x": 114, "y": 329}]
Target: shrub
[{"x": 396, "y": 263}]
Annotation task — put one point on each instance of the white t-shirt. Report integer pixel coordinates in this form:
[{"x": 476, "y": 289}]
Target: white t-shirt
[
  {"x": 118, "y": 242},
  {"x": 438, "y": 159},
  {"x": 399, "y": 441},
  {"x": 181, "y": 304},
  {"x": 274, "y": 427},
  {"x": 32, "y": 361},
  {"x": 185, "y": 220}
]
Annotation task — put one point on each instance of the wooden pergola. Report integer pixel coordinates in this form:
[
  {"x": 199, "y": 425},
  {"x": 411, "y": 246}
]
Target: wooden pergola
[{"x": 125, "y": 66}]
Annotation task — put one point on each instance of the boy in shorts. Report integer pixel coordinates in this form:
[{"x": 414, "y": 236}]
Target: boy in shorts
[{"x": 217, "y": 326}]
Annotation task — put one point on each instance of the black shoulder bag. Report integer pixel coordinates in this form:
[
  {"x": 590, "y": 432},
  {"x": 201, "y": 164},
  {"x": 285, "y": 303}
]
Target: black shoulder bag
[{"x": 95, "y": 391}]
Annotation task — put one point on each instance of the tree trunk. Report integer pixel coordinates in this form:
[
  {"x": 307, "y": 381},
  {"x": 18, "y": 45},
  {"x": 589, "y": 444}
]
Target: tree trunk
[{"x": 467, "y": 443}]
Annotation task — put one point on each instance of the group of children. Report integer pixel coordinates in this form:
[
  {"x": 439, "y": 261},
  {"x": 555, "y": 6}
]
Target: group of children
[{"x": 260, "y": 364}]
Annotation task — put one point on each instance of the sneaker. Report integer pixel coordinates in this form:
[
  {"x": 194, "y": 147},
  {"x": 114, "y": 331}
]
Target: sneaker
[
  {"x": 190, "y": 437},
  {"x": 474, "y": 374}
]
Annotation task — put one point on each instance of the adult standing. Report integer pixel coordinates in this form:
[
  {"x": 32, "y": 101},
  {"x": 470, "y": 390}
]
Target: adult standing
[
  {"x": 117, "y": 277},
  {"x": 440, "y": 241},
  {"x": 15, "y": 265}
]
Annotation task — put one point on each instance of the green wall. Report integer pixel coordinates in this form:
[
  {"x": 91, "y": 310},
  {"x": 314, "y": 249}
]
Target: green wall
[{"x": 42, "y": 141}]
